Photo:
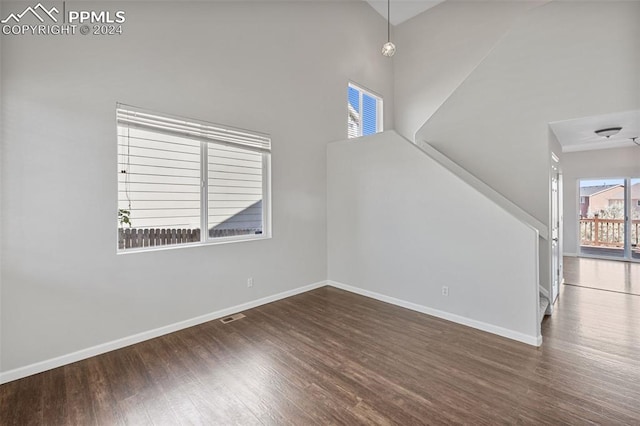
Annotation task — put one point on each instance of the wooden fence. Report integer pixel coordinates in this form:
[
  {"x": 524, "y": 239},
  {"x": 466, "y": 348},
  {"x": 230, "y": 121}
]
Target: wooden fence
[
  {"x": 607, "y": 232},
  {"x": 137, "y": 238}
]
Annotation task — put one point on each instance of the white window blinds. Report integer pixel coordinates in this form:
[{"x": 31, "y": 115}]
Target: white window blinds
[{"x": 192, "y": 129}]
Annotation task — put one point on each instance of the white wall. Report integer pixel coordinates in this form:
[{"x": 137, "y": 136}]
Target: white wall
[
  {"x": 495, "y": 124},
  {"x": 275, "y": 67},
  {"x": 1, "y": 180},
  {"x": 620, "y": 162},
  {"x": 402, "y": 226},
  {"x": 438, "y": 49}
]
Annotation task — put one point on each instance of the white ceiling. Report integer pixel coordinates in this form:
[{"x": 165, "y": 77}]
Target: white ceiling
[
  {"x": 402, "y": 10},
  {"x": 579, "y": 134}
]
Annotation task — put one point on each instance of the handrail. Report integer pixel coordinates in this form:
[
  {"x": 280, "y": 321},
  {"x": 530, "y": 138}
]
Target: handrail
[{"x": 506, "y": 204}]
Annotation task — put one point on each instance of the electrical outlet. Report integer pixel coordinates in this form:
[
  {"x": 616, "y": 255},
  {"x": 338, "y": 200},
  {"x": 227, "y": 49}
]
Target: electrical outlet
[
  {"x": 250, "y": 282},
  {"x": 445, "y": 290}
]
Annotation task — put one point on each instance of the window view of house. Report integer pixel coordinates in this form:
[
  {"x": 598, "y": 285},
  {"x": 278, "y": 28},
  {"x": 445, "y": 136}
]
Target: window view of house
[
  {"x": 602, "y": 217},
  {"x": 364, "y": 112},
  {"x": 176, "y": 178},
  {"x": 595, "y": 199},
  {"x": 235, "y": 191}
]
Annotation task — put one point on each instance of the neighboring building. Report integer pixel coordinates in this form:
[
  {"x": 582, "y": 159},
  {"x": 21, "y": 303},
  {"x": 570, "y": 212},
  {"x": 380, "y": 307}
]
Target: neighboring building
[
  {"x": 595, "y": 198},
  {"x": 247, "y": 221},
  {"x": 616, "y": 197}
]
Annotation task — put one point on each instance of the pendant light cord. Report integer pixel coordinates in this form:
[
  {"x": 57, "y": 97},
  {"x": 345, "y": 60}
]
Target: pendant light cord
[{"x": 388, "y": 20}]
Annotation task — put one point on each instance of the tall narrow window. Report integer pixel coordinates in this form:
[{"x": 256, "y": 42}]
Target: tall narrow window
[
  {"x": 364, "y": 112},
  {"x": 179, "y": 176}
]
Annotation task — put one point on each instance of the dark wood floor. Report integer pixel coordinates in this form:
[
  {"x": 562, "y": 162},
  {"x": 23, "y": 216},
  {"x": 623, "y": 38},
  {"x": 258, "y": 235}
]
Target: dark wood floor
[
  {"x": 610, "y": 275},
  {"x": 331, "y": 357}
]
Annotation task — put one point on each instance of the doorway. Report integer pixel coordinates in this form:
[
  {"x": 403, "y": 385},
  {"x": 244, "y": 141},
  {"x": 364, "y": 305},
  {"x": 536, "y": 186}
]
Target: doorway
[
  {"x": 556, "y": 228},
  {"x": 609, "y": 223}
]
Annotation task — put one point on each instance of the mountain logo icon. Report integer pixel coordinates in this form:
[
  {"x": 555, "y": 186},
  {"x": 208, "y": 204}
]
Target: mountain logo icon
[{"x": 38, "y": 11}]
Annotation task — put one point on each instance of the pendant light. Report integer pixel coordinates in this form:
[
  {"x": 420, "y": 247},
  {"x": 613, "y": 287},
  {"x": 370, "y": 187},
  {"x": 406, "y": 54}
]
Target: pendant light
[{"x": 388, "y": 49}]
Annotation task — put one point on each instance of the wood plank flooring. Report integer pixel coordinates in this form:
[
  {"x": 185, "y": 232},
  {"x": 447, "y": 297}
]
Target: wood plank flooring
[
  {"x": 331, "y": 357},
  {"x": 609, "y": 275}
]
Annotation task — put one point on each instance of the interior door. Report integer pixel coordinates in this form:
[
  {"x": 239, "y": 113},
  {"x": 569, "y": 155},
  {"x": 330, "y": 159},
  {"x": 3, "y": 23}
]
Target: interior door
[{"x": 556, "y": 261}]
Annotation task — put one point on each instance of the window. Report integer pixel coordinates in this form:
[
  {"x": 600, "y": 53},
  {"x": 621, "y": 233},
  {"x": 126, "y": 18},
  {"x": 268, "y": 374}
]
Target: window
[
  {"x": 583, "y": 200},
  {"x": 364, "y": 112},
  {"x": 179, "y": 176}
]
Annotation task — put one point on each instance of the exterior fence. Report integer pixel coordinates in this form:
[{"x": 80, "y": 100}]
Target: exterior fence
[
  {"x": 148, "y": 237},
  {"x": 136, "y": 238},
  {"x": 607, "y": 232}
]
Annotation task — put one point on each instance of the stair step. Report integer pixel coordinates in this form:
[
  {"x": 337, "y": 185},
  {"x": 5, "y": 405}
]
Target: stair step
[{"x": 544, "y": 304}]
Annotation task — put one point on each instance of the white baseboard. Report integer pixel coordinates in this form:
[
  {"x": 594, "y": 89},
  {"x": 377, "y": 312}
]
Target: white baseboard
[
  {"x": 49, "y": 364},
  {"x": 500, "y": 331}
]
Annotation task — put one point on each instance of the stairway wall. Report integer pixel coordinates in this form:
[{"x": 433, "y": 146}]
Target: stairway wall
[
  {"x": 401, "y": 226},
  {"x": 562, "y": 60}
]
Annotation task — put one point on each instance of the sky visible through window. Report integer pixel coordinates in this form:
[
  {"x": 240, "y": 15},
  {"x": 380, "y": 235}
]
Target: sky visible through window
[
  {"x": 600, "y": 182},
  {"x": 354, "y": 99},
  {"x": 369, "y": 105},
  {"x": 367, "y": 112}
]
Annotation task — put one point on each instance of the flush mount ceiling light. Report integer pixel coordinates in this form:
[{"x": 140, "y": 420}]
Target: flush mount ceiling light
[
  {"x": 388, "y": 49},
  {"x": 608, "y": 132}
]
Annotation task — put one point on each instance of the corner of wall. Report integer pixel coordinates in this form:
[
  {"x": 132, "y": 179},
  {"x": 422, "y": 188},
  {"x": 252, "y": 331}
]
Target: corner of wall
[
  {"x": 1, "y": 185},
  {"x": 409, "y": 262}
]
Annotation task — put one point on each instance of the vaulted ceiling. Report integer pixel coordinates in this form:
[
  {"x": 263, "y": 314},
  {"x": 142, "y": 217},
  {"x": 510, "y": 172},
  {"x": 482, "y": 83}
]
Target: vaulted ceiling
[{"x": 402, "y": 10}]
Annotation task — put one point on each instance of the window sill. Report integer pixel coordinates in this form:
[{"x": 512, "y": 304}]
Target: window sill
[{"x": 217, "y": 241}]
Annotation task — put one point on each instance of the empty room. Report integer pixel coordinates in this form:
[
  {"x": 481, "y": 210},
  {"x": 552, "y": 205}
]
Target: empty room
[{"x": 319, "y": 212}]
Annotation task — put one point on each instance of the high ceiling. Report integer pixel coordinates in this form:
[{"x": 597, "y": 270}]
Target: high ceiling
[
  {"x": 573, "y": 135},
  {"x": 579, "y": 134},
  {"x": 402, "y": 10}
]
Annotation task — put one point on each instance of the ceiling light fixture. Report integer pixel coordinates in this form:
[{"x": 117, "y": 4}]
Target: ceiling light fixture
[
  {"x": 388, "y": 49},
  {"x": 608, "y": 132}
]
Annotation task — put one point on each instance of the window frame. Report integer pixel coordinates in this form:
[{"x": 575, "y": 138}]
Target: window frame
[
  {"x": 205, "y": 239},
  {"x": 379, "y": 108}
]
